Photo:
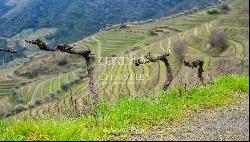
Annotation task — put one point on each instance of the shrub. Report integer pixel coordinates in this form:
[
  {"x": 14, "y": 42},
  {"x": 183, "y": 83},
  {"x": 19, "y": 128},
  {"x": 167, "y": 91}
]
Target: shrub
[
  {"x": 58, "y": 92},
  {"x": 123, "y": 27},
  {"x": 52, "y": 95},
  {"x": 77, "y": 81},
  {"x": 65, "y": 86},
  {"x": 38, "y": 101},
  {"x": 224, "y": 6},
  {"x": 179, "y": 47},
  {"x": 81, "y": 72},
  {"x": 195, "y": 9},
  {"x": 63, "y": 62},
  {"x": 14, "y": 92},
  {"x": 71, "y": 83},
  {"x": 31, "y": 105},
  {"x": 213, "y": 11},
  {"x": 113, "y": 55},
  {"x": 23, "y": 83},
  {"x": 81, "y": 76},
  {"x": 185, "y": 12},
  {"x": 20, "y": 108},
  {"x": 17, "y": 97},
  {"x": 146, "y": 43},
  {"x": 152, "y": 33},
  {"x": 19, "y": 100},
  {"x": 218, "y": 38},
  {"x": 47, "y": 98}
]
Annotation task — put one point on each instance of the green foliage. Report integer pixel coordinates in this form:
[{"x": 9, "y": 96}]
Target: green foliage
[
  {"x": 38, "y": 101},
  {"x": 152, "y": 33},
  {"x": 65, "y": 86},
  {"x": 63, "y": 62},
  {"x": 127, "y": 113},
  {"x": 20, "y": 107},
  {"x": 77, "y": 81},
  {"x": 31, "y": 105},
  {"x": 52, "y": 95},
  {"x": 16, "y": 97},
  {"x": 214, "y": 11},
  {"x": 224, "y": 6}
]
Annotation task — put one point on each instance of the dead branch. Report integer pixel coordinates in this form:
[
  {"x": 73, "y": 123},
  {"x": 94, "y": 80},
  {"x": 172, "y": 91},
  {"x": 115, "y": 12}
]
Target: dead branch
[
  {"x": 162, "y": 58},
  {"x": 196, "y": 64},
  {"x": 86, "y": 54},
  {"x": 10, "y": 50}
]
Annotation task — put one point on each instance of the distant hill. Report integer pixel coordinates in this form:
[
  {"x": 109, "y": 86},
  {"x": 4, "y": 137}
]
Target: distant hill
[{"x": 80, "y": 18}]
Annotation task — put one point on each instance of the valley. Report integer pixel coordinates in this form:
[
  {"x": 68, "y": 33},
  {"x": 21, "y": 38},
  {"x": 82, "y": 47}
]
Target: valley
[{"x": 55, "y": 84}]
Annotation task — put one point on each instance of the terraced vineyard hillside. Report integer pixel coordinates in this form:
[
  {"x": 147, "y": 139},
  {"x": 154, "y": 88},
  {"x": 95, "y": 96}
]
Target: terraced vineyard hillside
[{"x": 115, "y": 80}]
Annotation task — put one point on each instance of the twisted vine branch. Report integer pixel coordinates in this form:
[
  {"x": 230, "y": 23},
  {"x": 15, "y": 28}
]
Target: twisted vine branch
[
  {"x": 162, "y": 58},
  {"x": 196, "y": 64},
  {"x": 86, "y": 54},
  {"x": 10, "y": 50}
]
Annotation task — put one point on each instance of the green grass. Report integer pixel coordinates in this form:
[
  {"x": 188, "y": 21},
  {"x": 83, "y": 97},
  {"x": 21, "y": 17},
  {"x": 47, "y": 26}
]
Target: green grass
[{"x": 115, "y": 120}]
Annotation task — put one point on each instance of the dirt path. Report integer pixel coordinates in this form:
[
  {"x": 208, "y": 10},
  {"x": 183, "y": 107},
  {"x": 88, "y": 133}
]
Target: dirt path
[{"x": 214, "y": 124}]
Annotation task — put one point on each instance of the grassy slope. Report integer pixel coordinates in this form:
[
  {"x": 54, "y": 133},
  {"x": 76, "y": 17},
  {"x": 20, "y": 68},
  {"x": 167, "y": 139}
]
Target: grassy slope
[
  {"x": 118, "y": 120},
  {"x": 195, "y": 27},
  {"x": 120, "y": 40}
]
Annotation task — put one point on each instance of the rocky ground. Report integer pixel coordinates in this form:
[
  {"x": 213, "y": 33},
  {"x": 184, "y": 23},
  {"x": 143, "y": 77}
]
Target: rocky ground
[{"x": 213, "y": 124}]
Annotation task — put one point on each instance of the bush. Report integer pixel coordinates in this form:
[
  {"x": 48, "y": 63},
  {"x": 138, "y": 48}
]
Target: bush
[
  {"x": 224, "y": 6},
  {"x": 23, "y": 83},
  {"x": 52, "y": 95},
  {"x": 81, "y": 77},
  {"x": 14, "y": 92},
  {"x": 58, "y": 92},
  {"x": 82, "y": 70},
  {"x": 185, "y": 12},
  {"x": 218, "y": 38},
  {"x": 152, "y": 33},
  {"x": 20, "y": 108},
  {"x": 77, "y": 81},
  {"x": 71, "y": 83},
  {"x": 65, "y": 86},
  {"x": 195, "y": 9},
  {"x": 19, "y": 100},
  {"x": 179, "y": 47},
  {"x": 47, "y": 98},
  {"x": 113, "y": 55},
  {"x": 31, "y": 105},
  {"x": 38, "y": 101},
  {"x": 213, "y": 11},
  {"x": 123, "y": 27},
  {"x": 63, "y": 62}
]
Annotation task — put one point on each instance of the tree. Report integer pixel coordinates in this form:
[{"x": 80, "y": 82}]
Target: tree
[
  {"x": 218, "y": 38},
  {"x": 179, "y": 47}
]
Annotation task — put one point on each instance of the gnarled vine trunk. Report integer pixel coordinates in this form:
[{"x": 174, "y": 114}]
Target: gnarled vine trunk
[
  {"x": 86, "y": 54},
  {"x": 162, "y": 58},
  {"x": 196, "y": 64}
]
